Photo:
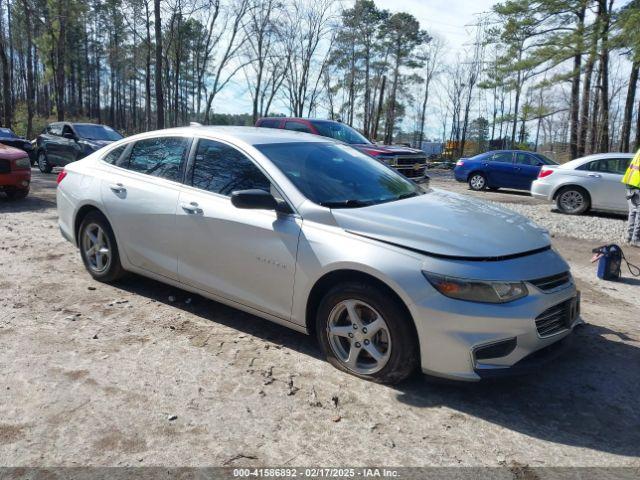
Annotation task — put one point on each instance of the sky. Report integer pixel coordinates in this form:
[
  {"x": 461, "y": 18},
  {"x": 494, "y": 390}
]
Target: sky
[{"x": 448, "y": 19}]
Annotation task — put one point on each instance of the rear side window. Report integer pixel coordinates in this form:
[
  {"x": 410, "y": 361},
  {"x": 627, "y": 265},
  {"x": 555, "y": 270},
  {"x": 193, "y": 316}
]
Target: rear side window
[
  {"x": 222, "y": 169},
  {"x": 616, "y": 166},
  {"x": 159, "y": 157},
  {"x": 502, "y": 157},
  {"x": 269, "y": 123},
  {"x": 297, "y": 127},
  {"x": 114, "y": 155}
]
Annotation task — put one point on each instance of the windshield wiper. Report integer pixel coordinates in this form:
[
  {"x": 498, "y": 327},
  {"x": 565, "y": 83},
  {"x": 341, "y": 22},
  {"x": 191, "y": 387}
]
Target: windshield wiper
[
  {"x": 352, "y": 203},
  {"x": 407, "y": 195}
]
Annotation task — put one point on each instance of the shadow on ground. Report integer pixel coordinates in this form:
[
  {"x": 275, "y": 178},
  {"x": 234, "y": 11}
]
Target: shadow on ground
[{"x": 586, "y": 398}]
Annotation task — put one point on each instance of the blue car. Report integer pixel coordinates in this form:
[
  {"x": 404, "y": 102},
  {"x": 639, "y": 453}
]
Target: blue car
[{"x": 501, "y": 169}]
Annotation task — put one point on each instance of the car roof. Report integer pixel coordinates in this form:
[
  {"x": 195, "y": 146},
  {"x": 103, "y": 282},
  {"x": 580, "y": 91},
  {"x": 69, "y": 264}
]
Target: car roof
[
  {"x": 578, "y": 162},
  {"x": 300, "y": 118},
  {"x": 247, "y": 135}
]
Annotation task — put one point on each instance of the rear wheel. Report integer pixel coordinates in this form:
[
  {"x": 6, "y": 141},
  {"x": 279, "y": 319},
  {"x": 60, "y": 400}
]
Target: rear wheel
[
  {"x": 364, "y": 332},
  {"x": 98, "y": 248},
  {"x": 477, "y": 181},
  {"x": 16, "y": 193},
  {"x": 573, "y": 200},
  {"x": 43, "y": 163}
]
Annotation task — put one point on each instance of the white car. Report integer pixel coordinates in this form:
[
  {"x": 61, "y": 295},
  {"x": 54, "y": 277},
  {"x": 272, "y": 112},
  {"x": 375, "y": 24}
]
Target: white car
[
  {"x": 315, "y": 235},
  {"x": 588, "y": 183}
]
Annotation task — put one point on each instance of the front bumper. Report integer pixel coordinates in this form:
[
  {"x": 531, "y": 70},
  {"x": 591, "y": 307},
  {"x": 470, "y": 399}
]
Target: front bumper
[
  {"x": 452, "y": 331},
  {"x": 19, "y": 179}
]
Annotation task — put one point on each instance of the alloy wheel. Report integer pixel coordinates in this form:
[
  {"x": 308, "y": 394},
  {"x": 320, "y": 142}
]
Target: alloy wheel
[
  {"x": 359, "y": 337},
  {"x": 571, "y": 201},
  {"x": 477, "y": 182},
  {"x": 42, "y": 162},
  {"x": 96, "y": 247}
]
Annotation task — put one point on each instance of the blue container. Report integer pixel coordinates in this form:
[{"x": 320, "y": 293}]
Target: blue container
[{"x": 610, "y": 262}]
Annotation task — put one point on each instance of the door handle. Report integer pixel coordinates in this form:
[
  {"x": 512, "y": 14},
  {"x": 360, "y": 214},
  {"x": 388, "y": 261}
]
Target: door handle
[
  {"x": 117, "y": 188},
  {"x": 595, "y": 175},
  {"x": 192, "y": 208}
]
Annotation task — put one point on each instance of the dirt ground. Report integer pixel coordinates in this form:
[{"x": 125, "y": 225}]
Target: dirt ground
[{"x": 140, "y": 373}]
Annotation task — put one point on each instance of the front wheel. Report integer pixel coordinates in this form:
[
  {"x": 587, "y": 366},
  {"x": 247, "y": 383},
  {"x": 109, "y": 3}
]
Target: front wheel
[
  {"x": 477, "y": 182},
  {"x": 364, "y": 332},
  {"x": 573, "y": 201},
  {"x": 98, "y": 249},
  {"x": 43, "y": 163}
]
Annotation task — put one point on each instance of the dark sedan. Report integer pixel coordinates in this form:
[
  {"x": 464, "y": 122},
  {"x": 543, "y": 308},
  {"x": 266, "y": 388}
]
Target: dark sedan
[
  {"x": 10, "y": 139},
  {"x": 501, "y": 169},
  {"x": 62, "y": 143}
]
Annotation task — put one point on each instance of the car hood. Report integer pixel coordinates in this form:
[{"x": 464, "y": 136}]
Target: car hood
[
  {"x": 446, "y": 224},
  {"x": 10, "y": 153}
]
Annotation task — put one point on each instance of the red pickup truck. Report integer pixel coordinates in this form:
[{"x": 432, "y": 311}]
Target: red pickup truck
[
  {"x": 408, "y": 161},
  {"x": 15, "y": 172}
]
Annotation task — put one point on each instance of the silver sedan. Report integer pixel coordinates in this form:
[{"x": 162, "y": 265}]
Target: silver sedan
[
  {"x": 592, "y": 182},
  {"x": 314, "y": 235}
]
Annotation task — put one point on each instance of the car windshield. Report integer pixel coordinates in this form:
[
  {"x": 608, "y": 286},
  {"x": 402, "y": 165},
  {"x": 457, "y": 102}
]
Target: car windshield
[
  {"x": 97, "y": 132},
  {"x": 338, "y": 176},
  {"x": 339, "y": 131},
  {"x": 7, "y": 133}
]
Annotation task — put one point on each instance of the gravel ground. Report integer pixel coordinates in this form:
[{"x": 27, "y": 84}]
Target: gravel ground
[
  {"x": 139, "y": 373},
  {"x": 595, "y": 226}
]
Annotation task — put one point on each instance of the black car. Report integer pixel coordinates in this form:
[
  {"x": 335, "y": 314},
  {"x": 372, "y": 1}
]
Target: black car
[
  {"x": 10, "y": 139},
  {"x": 62, "y": 143}
]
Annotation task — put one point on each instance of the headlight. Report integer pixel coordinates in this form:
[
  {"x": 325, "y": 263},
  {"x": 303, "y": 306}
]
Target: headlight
[
  {"x": 388, "y": 159},
  {"x": 23, "y": 164},
  {"x": 475, "y": 290}
]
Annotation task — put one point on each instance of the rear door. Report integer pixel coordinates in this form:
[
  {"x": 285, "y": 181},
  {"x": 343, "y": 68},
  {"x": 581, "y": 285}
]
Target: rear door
[
  {"x": 247, "y": 256},
  {"x": 527, "y": 167},
  {"x": 500, "y": 170},
  {"x": 140, "y": 193}
]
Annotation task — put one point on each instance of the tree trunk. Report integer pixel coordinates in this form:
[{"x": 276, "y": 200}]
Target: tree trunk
[
  {"x": 158, "y": 69},
  {"x": 376, "y": 122},
  {"x": 574, "y": 110},
  {"x": 603, "y": 143},
  {"x": 628, "y": 108},
  {"x": 30, "y": 90}
]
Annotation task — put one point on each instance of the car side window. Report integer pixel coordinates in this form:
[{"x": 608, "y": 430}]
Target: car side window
[
  {"x": 160, "y": 157},
  {"x": 269, "y": 123},
  {"x": 617, "y": 166},
  {"x": 67, "y": 129},
  {"x": 523, "y": 158},
  {"x": 114, "y": 155},
  {"x": 222, "y": 169},
  {"x": 55, "y": 129},
  {"x": 502, "y": 157},
  {"x": 297, "y": 127}
]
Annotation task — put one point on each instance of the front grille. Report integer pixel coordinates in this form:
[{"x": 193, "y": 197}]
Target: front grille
[
  {"x": 411, "y": 160},
  {"x": 555, "y": 319},
  {"x": 550, "y": 283},
  {"x": 5, "y": 166}
]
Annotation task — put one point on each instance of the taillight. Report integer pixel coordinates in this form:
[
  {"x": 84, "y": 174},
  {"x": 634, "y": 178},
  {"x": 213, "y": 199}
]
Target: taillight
[
  {"x": 61, "y": 176},
  {"x": 545, "y": 173}
]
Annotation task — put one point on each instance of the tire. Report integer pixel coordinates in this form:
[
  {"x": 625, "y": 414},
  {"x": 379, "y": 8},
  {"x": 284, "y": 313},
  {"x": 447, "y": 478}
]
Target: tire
[
  {"x": 573, "y": 200},
  {"x": 17, "y": 193},
  {"x": 477, "y": 181},
  {"x": 95, "y": 234},
  {"x": 43, "y": 163},
  {"x": 395, "y": 342}
]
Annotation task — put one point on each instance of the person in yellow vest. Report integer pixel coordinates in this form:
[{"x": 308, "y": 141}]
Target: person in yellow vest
[{"x": 632, "y": 180}]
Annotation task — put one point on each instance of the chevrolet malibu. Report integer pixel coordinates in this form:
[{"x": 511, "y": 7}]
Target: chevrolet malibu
[{"x": 317, "y": 236}]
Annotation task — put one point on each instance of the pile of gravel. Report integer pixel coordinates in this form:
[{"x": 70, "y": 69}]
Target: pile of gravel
[{"x": 593, "y": 226}]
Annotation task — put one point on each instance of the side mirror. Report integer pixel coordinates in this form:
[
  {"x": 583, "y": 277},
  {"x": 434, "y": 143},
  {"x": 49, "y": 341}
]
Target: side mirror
[
  {"x": 253, "y": 199},
  {"x": 69, "y": 136}
]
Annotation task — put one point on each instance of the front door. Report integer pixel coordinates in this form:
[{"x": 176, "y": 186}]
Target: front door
[
  {"x": 247, "y": 256},
  {"x": 141, "y": 197},
  {"x": 69, "y": 149}
]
